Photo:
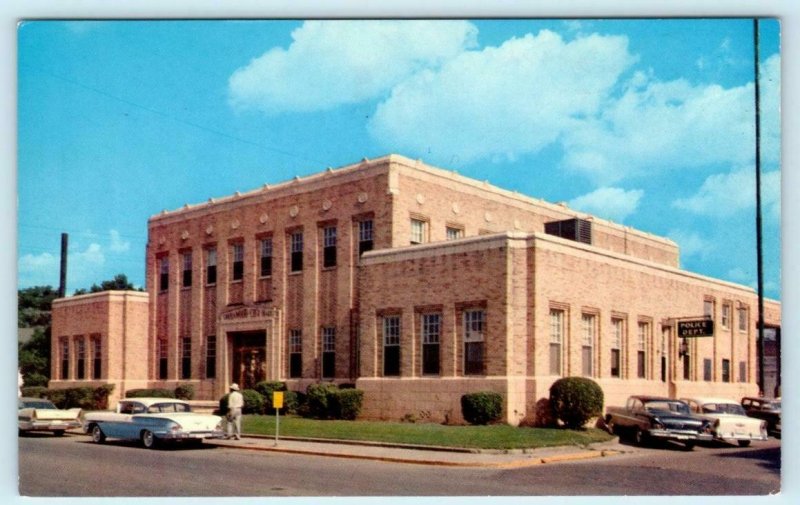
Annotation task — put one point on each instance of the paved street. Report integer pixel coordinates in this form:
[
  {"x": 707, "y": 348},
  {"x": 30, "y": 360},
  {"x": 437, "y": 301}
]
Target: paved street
[{"x": 73, "y": 466}]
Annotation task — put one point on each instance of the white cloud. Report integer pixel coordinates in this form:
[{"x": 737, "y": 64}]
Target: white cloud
[
  {"x": 723, "y": 195},
  {"x": 330, "y": 63},
  {"x": 502, "y": 101},
  {"x": 611, "y": 203},
  {"x": 117, "y": 244},
  {"x": 39, "y": 270},
  {"x": 691, "y": 243}
]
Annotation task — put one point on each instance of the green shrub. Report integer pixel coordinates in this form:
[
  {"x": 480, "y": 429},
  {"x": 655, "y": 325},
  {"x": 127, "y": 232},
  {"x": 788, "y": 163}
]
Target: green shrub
[
  {"x": 345, "y": 403},
  {"x": 100, "y": 396},
  {"x": 482, "y": 407},
  {"x": 150, "y": 393},
  {"x": 267, "y": 387},
  {"x": 318, "y": 400},
  {"x": 34, "y": 391},
  {"x": 575, "y": 400},
  {"x": 184, "y": 392},
  {"x": 36, "y": 379}
]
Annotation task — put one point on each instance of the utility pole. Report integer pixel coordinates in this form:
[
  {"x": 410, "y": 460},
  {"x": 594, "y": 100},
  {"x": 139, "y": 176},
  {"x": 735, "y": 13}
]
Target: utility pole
[{"x": 759, "y": 254}]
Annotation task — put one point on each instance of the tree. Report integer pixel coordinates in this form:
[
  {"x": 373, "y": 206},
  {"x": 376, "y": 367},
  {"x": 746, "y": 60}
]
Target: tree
[{"x": 118, "y": 283}]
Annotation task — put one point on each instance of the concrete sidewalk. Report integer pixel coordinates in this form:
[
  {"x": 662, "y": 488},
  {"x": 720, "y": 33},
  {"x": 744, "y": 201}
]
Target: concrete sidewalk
[{"x": 424, "y": 455}]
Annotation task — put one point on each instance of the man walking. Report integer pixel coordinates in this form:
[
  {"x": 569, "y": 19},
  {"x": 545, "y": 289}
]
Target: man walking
[{"x": 235, "y": 405}]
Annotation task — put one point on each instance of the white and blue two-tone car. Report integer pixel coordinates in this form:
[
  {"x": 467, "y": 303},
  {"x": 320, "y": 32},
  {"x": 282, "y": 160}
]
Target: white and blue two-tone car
[{"x": 153, "y": 420}]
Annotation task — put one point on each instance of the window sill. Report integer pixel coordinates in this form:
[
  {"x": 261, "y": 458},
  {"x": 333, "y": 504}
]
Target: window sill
[
  {"x": 237, "y": 281},
  {"x": 328, "y": 269},
  {"x": 298, "y": 272},
  {"x": 264, "y": 277}
]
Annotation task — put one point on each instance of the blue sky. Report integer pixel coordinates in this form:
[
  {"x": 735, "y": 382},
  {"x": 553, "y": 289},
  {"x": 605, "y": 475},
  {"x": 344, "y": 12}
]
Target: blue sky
[{"x": 648, "y": 123}]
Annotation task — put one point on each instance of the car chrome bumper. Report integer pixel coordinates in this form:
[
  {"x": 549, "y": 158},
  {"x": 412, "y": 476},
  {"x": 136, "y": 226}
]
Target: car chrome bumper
[
  {"x": 740, "y": 436},
  {"x": 192, "y": 435},
  {"x": 681, "y": 435},
  {"x": 48, "y": 425}
]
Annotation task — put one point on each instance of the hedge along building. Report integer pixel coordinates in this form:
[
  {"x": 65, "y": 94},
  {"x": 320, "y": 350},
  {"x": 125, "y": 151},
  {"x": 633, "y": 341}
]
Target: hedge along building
[{"x": 419, "y": 285}]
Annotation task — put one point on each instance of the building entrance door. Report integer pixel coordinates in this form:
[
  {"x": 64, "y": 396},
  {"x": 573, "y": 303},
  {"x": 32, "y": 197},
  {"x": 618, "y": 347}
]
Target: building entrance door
[{"x": 249, "y": 358}]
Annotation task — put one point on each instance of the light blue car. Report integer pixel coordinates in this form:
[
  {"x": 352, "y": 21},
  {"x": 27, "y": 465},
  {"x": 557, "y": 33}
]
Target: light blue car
[{"x": 153, "y": 420}]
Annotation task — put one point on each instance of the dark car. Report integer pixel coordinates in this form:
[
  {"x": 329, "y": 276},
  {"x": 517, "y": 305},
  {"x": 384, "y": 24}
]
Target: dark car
[
  {"x": 654, "y": 417},
  {"x": 768, "y": 409}
]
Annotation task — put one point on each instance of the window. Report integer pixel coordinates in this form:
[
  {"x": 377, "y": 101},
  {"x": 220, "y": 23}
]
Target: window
[
  {"x": 97, "y": 357},
  {"x": 329, "y": 247},
  {"x": 80, "y": 358},
  {"x": 186, "y": 278},
  {"x": 237, "y": 253},
  {"x": 328, "y": 352},
  {"x": 64, "y": 358},
  {"x": 162, "y": 358},
  {"x": 687, "y": 367},
  {"x": 706, "y": 369},
  {"x": 617, "y": 326},
  {"x": 556, "y": 340},
  {"x": 431, "y": 329},
  {"x": 266, "y": 257},
  {"x": 295, "y": 354},
  {"x": 391, "y": 345},
  {"x": 742, "y": 318},
  {"x": 454, "y": 233},
  {"x": 364, "y": 236},
  {"x": 642, "y": 341},
  {"x": 587, "y": 343},
  {"x": 726, "y": 370},
  {"x": 708, "y": 308},
  {"x": 726, "y": 315},
  {"x": 211, "y": 357},
  {"x": 419, "y": 231},
  {"x": 474, "y": 329},
  {"x": 211, "y": 266},
  {"x": 297, "y": 251},
  {"x": 186, "y": 358},
  {"x": 742, "y": 371},
  {"x": 163, "y": 277}
]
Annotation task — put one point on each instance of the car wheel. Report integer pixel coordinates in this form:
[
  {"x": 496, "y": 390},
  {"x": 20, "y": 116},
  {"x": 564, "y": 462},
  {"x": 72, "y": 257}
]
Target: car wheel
[
  {"x": 148, "y": 439},
  {"x": 98, "y": 436},
  {"x": 744, "y": 443},
  {"x": 58, "y": 433},
  {"x": 689, "y": 446},
  {"x": 639, "y": 436}
]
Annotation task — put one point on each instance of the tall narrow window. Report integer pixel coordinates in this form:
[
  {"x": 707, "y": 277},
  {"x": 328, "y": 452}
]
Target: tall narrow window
[
  {"x": 474, "y": 336},
  {"x": 186, "y": 358},
  {"x": 642, "y": 344},
  {"x": 328, "y": 352},
  {"x": 742, "y": 318},
  {"x": 211, "y": 357},
  {"x": 726, "y": 315},
  {"x": 431, "y": 328},
  {"x": 706, "y": 369},
  {"x": 617, "y": 328},
  {"x": 237, "y": 253},
  {"x": 687, "y": 367},
  {"x": 708, "y": 309},
  {"x": 80, "y": 358},
  {"x": 391, "y": 345},
  {"x": 186, "y": 280},
  {"x": 266, "y": 257},
  {"x": 454, "y": 233},
  {"x": 295, "y": 354},
  {"x": 64, "y": 358},
  {"x": 211, "y": 266},
  {"x": 163, "y": 270},
  {"x": 419, "y": 231},
  {"x": 742, "y": 371},
  {"x": 556, "y": 339},
  {"x": 97, "y": 357},
  {"x": 726, "y": 370},
  {"x": 589, "y": 322},
  {"x": 297, "y": 251},
  {"x": 329, "y": 246},
  {"x": 162, "y": 358},
  {"x": 364, "y": 236}
]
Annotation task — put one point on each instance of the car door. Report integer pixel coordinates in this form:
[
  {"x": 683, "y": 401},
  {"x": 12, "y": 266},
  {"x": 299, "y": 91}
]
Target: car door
[{"x": 120, "y": 425}]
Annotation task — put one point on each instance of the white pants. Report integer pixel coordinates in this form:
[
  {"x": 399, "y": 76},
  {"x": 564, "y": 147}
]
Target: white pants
[{"x": 235, "y": 422}]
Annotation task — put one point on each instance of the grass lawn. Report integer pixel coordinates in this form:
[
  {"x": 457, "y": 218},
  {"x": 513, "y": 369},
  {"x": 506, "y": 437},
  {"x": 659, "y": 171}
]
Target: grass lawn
[{"x": 499, "y": 436}]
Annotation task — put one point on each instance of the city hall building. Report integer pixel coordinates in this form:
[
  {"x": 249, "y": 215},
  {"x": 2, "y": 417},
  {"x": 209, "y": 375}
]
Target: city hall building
[{"x": 416, "y": 284}]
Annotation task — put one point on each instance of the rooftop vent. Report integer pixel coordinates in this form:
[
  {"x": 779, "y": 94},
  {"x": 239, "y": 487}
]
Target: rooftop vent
[{"x": 579, "y": 230}]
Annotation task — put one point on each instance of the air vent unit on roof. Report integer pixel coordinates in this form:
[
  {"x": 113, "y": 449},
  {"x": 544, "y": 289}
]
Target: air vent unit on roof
[{"x": 579, "y": 230}]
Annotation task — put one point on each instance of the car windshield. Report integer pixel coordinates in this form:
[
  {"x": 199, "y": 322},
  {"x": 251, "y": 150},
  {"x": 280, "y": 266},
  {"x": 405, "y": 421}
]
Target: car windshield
[
  {"x": 37, "y": 404},
  {"x": 168, "y": 407},
  {"x": 723, "y": 408},
  {"x": 664, "y": 405}
]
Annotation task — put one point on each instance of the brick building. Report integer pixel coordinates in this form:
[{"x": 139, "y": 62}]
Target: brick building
[{"x": 418, "y": 285}]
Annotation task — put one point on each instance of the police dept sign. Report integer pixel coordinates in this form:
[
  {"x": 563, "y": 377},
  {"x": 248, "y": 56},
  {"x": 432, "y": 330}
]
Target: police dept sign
[{"x": 696, "y": 328}]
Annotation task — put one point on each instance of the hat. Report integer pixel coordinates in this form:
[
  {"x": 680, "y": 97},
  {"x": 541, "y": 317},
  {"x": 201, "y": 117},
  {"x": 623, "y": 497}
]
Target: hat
[{"x": 234, "y": 387}]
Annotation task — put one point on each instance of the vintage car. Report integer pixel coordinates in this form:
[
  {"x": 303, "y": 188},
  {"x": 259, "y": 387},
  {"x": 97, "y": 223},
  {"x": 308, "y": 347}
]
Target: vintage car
[
  {"x": 657, "y": 418},
  {"x": 730, "y": 423},
  {"x": 39, "y": 414},
  {"x": 153, "y": 420},
  {"x": 768, "y": 409}
]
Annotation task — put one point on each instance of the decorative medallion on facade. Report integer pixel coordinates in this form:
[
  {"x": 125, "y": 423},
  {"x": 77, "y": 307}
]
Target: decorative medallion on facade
[
  {"x": 209, "y": 229},
  {"x": 184, "y": 234},
  {"x": 420, "y": 198},
  {"x": 235, "y": 224},
  {"x": 487, "y": 216},
  {"x": 162, "y": 240},
  {"x": 263, "y": 218},
  {"x": 517, "y": 224},
  {"x": 362, "y": 197},
  {"x": 326, "y": 205},
  {"x": 294, "y": 211},
  {"x": 456, "y": 208}
]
